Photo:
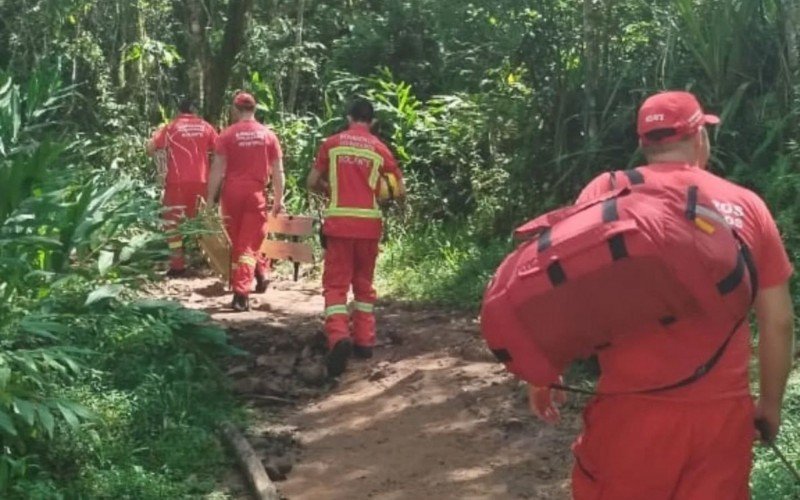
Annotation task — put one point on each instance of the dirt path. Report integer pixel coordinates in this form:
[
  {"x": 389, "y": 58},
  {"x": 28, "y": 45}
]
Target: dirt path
[{"x": 432, "y": 416}]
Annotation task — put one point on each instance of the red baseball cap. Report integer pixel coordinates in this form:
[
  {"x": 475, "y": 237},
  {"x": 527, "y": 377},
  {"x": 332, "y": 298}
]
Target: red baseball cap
[
  {"x": 673, "y": 111},
  {"x": 244, "y": 100}
]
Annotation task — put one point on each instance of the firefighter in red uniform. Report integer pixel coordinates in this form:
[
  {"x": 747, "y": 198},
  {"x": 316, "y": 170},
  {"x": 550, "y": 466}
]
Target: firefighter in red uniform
[
  {"x": 692, "y": 442},
  {"x": 186, "y": 142},
  {"x": 247, "y": 155},
  {"x": 348, "y": 167}
]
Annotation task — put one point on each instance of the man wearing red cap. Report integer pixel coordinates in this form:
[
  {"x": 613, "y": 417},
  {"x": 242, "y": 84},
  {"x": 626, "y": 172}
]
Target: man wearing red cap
[
  {"x": 247, "y": 155},
  {"x": 693, "y": 441},
  {"x": 348, "y": 168},
  {"x": 186, "y": 142}
]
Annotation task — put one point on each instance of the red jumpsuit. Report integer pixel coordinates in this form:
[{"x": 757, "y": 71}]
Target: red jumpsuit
[
  {"x": 694, "y": 442},
  {"x": 353, "y": 161},
  {"x": 187, "y": 140},
  {"x": 250, "y": 150}
]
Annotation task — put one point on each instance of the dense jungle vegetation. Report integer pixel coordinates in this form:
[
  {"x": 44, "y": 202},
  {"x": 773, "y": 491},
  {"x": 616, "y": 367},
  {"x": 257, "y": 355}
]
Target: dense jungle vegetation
[{"x": 497, "y": 110}]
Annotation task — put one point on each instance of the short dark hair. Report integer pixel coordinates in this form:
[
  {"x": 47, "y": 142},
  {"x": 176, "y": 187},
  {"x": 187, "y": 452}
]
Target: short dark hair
[
  {"x": 657, "y": 148},
  {"x": 186, "y": 105},
  {"x": 244, "y": 107},
  {"x": 361, "y": 110},
  {"x": 659, "y": 134}
]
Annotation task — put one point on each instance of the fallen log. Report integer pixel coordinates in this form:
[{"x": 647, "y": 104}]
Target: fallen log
[{"x": 262, "y": 487}]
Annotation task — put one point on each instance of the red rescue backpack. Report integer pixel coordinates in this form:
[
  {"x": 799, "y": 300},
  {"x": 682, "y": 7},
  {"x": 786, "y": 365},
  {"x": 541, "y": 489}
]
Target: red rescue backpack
[{"x": 630, "y": 262}]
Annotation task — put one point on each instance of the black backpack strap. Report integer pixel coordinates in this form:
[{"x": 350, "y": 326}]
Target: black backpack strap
[
  {"x": 631, "y": 177},
  {"x": 612, "y": 180},
  {"x": 634, "y": 176},
  {"x": 701, "y": 370},
  {"x": 750, "y": 264}
]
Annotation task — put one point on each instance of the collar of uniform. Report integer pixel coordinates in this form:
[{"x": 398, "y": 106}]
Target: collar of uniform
[
  {"x": 359, "y": 126},
  {"x": 186, "y": 115}
]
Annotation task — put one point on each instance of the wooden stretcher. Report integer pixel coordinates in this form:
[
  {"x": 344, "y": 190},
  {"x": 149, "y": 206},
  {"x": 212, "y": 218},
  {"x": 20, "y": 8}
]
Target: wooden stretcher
[
  {"x": 295, "y": 228},
  {"x": 215, "y": 243},
  {"x": 283, "y": 241}
]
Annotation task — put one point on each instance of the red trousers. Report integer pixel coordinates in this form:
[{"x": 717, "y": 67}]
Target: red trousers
[
  {"x": 181, "y": 201},
  {"x": 244, "y": 209},
  {"x": 636, "y": 448},
  {"x": 349, "y": 262}
]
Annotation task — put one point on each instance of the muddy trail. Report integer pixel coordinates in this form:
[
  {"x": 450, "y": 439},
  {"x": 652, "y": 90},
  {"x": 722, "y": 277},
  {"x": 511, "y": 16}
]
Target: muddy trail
[{"x": 431, "y": 416}]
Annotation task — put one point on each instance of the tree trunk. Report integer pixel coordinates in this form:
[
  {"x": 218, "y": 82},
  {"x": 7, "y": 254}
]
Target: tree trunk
[
  {"x": 232, "y": 43},
  {"x": 791, "y": 20},
  {"x": 127, "y": 35},
  {"x": 592, "y": 69},
  {"x": 141, "y": 75},
  {"x": 197, "y": 63},
  {"x": 298, "y": 43},
  {"x": 791, "y": 31}
]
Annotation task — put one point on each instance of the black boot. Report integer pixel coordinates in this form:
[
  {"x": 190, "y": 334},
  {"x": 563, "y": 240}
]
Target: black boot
[
  {"x": 262, "y": 283},
  {"x": 240, "y": 303},
  {"x": 175, "y": 273},
  {"x": 362, "y": 351},
  {"x": 337, "y": 358}
]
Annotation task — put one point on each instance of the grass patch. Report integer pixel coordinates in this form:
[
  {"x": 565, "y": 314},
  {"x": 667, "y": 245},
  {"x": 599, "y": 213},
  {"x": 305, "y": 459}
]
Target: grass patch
[
  {"x": 439, "y": 264},
  {"x": 770, "y": 480}
]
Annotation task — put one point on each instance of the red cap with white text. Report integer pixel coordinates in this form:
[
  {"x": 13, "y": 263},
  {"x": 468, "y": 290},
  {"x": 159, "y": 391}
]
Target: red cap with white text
[{"x": 671, "y": 116}]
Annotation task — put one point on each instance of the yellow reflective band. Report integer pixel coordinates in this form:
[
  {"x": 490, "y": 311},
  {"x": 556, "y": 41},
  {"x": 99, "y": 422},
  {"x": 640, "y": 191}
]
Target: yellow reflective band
[
  {"x": 247, "y": 260},
  {"x": 175, "y": 245},
  {"x": 704, "y": 225},
  {"x": 335, "y": 153},
  {"x": 364, "y": 307},
  {"x": 337, "y": 309},
  {"x": 362, "y": 213}
]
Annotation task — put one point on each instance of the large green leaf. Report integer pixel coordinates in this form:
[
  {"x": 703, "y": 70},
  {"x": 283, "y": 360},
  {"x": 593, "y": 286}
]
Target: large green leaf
[
  {"x": 42, "y": 327},
  {"x": 5, "y": 376},
  {"x": 105, "y": 261},
  {"x": 26, "y": 410},
  {"x": 6, "y": 424},
  {"x": 79, "y": 410},
  {"x": 68, "y": 414},
  {"x": 46, "y": 418},
  {"x": 103, "y": 293}
]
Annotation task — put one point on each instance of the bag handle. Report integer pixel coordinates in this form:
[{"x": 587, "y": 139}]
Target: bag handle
[{"x": 538, "y": 225}]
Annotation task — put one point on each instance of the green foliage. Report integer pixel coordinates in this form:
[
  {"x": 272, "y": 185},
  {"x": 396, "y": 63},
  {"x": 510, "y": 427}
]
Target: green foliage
[
  {"x": 770, "y": 480},
  {"x": 438, "y": 264},
  {"x": 101, "y": 394},
  {"x": 158, "y": 396}
]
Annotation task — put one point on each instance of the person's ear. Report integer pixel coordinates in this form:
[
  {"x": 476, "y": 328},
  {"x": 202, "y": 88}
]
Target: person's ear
[{"x": 701, "y": 147}]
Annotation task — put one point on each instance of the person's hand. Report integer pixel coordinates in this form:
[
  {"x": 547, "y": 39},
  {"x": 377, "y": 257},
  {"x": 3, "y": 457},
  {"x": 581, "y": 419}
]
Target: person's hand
[
  {"x": 544, "y": 403},
  {"x": 277, "y": 208},
  {"x": 768, "y": 421},
  {"x": 324, "y": 188}
]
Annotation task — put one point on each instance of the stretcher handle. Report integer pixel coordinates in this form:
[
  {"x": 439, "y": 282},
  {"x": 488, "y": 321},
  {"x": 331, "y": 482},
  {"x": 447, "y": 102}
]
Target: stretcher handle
[{"x": 763, "y": 430}]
